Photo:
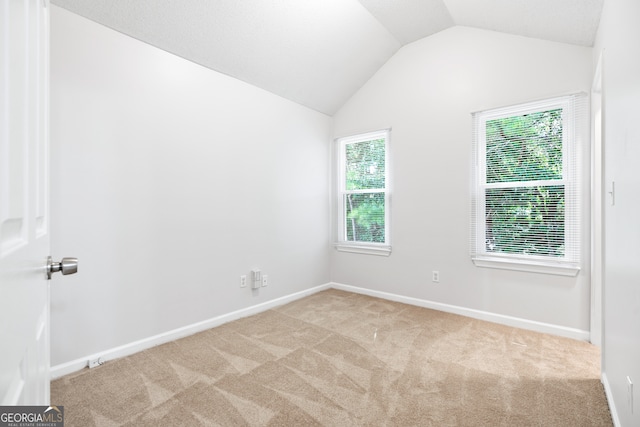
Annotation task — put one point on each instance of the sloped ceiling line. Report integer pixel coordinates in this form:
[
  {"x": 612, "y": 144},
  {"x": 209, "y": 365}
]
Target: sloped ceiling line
[{"x": 319, "y": 53}]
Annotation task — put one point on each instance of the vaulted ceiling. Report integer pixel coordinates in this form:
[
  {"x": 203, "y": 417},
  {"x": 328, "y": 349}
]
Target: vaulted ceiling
[{"x": 318, "y": 53}]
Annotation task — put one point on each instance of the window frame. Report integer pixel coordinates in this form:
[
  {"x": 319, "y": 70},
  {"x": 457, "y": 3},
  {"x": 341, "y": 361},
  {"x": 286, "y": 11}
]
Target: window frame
[
  {"x": 341, "y": 243},
  {"x": 569, "y": 264}
]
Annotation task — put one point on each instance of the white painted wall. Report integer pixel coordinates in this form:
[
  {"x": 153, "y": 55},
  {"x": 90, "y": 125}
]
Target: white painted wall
[
  {"x": 619, "y": 37},
  {"x": 169, "y": 181},
  {"x": 427, "y": 93}
]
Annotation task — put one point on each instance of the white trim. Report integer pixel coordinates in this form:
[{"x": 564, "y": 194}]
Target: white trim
[
  {"x": 612, "y": 403},
  {"x": 356, "y": 137},
  {"x": 338, "y": 202},
  {"x": 383, "y": 250},
  {"x": 568, "y": 265},
  {"x": 516, "y": 322},
  {"x": 597, "y": 210},
  {"x": 529, "y": 105},
  {"x": 146, "y": 343},
  {"x": 529, "y": 266}
]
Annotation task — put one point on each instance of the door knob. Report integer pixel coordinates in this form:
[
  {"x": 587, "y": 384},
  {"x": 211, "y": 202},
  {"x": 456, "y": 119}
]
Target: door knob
[{"x": 66, "y": 266}]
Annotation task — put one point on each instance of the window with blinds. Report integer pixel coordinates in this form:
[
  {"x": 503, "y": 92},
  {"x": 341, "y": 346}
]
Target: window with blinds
[
  {"x": 363, "y": 196},
  {"x": 526, "y": 198}
]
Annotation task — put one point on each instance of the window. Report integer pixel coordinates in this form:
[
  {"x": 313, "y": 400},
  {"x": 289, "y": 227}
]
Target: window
[
  {"x": 526, "y": 212},
  {"x": 363, "y": 193}
]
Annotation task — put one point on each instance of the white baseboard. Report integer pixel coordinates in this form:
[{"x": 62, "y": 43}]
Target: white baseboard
[
  {"x": 517, "y": 322},
  {"x": 146, "y": 343},
  {"x": 612, "y": 405}
]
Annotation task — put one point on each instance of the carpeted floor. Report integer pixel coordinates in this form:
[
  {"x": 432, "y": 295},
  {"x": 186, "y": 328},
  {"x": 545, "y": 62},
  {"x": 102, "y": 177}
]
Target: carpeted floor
[{"x": 342, "y": 359}]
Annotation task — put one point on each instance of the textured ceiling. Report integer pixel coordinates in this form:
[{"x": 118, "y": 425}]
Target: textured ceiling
[
  {"x": 566, "y": 21},
  {"x": 319, "y": 53}
]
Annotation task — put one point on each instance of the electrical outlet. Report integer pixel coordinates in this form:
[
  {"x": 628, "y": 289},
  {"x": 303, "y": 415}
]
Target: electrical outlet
[
  {"x": 95, "y": 362},
  {"x": 243, "y": 281},
  {"x": 435, "y": 276},
  {"x": 265, "y": 280}
]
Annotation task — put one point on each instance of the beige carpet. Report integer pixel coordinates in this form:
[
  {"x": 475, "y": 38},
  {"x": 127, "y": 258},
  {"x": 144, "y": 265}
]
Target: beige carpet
[{"x": 342, "y": 359}]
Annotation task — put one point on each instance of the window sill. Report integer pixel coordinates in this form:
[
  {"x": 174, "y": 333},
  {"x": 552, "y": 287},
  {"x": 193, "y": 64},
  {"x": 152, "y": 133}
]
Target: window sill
[
  {"x": 541, "y": 267},
  {"x": 381, "y": 250}
]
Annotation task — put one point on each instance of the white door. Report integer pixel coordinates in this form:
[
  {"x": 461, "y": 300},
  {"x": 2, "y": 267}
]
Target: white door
[{"x": 24, "y": 203}]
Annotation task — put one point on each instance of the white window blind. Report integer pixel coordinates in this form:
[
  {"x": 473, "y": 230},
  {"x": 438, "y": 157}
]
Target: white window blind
[
  {"x": 362, "y": 193},
  {"x": 526, "y": 189}
]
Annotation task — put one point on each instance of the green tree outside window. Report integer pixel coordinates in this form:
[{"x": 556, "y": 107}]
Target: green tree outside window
[
  {"x": 528, "y": 218},
  {"x": 364, "y": 195}
]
